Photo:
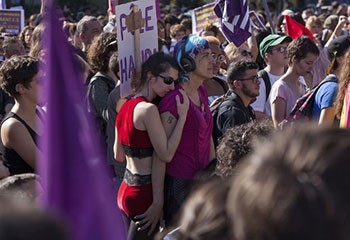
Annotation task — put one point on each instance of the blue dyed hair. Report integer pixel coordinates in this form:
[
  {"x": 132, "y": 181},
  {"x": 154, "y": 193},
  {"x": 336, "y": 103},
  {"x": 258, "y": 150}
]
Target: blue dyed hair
[{"x": 193, "y": 45}]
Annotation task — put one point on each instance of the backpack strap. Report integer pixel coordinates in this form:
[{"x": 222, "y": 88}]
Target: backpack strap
[{"x": 265, "y": 76}]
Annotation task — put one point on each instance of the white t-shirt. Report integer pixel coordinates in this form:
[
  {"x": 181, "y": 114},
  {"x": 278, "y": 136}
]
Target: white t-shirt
[{"x": 261, "y": 104}]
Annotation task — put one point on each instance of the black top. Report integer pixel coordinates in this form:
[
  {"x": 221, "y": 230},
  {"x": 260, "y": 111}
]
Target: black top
[
  {"x": 233, "y": 113},
  {"x": 12, "y": 160}
]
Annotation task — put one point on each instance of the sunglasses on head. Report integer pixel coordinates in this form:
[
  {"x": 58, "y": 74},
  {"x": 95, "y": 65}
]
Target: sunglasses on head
[
  {"x": 245, "y": 53},
  {"x": 167, "y": 80}
]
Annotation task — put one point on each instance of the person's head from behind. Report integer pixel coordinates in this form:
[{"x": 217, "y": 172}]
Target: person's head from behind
[
  {"x": 25, "y": 186},
  {"x": 337, "y": 49},
  {"x": 102, "y": 47},
  {"x": 273, "y": 49},
  {"x": 13, "y": 47},
  {"x": 217, "y": 53},
  {"x": 235, "y": 54},
  {"x": 242, "y": 78},
  {"x": 19, "y": 77},
  {"x": 331, "y": 22},
  {"x": 204, "y": 214},
  {"x": 194, "y": 58},
  {"x": 302, "y": 54},
  {"x": 21, "y": 220},
  {"x": 293, "y": 187},
  {"x": 177, "y": 32},
  {"x": 236, "y": 143},
  {"x": 159, "y": 73},
  {"x": 88, "y": 28}
]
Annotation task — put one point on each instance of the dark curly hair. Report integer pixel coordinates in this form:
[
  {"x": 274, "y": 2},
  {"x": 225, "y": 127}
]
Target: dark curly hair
[
  {"x": 300, "y": 47},
  {"x": 17, "y": 70},
  {"x": 236, "y": 144},
  {"x": 100, "y": 51}
]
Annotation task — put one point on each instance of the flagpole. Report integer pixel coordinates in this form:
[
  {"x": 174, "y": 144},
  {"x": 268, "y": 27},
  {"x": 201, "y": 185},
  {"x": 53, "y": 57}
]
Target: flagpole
[{"x": 268, "y": 16}]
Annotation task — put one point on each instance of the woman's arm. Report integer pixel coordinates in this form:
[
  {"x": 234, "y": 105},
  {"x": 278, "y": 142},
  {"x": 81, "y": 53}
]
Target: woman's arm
[
  {"x": 14, "y": 135},
  {"x": 164, "y": 146},
  {"x": 155, "y": 212},
  {"x": 119, "y": 154},
  {"x": 278, "y": 109},
  {"x": 327, "y": 116}
]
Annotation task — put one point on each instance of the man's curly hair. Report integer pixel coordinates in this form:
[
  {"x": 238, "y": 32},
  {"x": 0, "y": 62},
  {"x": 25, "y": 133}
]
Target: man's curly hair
[
  {"x": 236, "y": 144},
  {"x": 102, "y": 47}
]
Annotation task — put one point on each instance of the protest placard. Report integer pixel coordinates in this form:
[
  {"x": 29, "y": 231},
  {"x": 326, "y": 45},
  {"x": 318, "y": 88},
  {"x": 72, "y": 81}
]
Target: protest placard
[
  {"x": 12, "y": 20},
  {"x": 201, "y": 16},
  {"x": 143, "y": 24}
]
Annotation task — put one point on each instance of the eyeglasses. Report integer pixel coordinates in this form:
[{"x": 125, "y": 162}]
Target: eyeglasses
[
  {"x": 218, "y": 58},
  {"x": 254, "y": 79},
  {"x": 281, "y": 49},
  {"x": 167, "y": 80},
  {"x": 245, "y": 53}
]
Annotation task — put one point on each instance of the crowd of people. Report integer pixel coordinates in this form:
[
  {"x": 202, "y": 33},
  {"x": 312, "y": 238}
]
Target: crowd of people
[{"x": 202, "y": 148}]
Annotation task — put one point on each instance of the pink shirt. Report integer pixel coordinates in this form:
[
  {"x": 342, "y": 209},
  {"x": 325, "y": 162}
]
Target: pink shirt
[
  {"x": 282, "y": 90},
  {"x": 193, "y": 152}
]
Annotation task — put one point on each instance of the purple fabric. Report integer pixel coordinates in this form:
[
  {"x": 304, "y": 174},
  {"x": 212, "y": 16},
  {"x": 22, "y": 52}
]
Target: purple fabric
[
  {"x": 73, "y": 173},
  {"x": 158, "y": 10},
  {"x": 235, "y": 20},
  {"x": 193, "y": 152}
]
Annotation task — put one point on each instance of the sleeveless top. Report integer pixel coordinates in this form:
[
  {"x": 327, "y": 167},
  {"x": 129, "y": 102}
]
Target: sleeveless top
[
  {"x": 12, "y": 160},
  {"x": 135, "y": 142}
]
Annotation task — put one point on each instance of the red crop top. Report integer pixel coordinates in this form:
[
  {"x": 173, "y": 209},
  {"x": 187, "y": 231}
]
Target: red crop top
[{"x": 136, "y": 143}]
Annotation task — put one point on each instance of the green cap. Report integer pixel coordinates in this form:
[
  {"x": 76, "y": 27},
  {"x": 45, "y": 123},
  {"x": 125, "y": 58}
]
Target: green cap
[{"x": 271, "y": 41}]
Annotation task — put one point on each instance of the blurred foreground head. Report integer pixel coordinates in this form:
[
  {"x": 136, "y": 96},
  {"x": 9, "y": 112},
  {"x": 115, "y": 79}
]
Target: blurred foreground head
[{"x": 294, "y": 186}]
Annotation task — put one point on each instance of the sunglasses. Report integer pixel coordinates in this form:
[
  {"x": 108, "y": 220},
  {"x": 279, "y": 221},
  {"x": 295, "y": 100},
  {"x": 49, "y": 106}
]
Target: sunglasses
[
  {"x": 254, "y": 79},
  {"x": 167, "y": 80},
  {"x": 245, "y": 53},
  {"x": 281, "y": 49}
]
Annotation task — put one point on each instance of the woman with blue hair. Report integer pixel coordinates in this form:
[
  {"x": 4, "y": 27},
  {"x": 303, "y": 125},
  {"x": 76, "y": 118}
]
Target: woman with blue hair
[{"x": 196, "y": 149}]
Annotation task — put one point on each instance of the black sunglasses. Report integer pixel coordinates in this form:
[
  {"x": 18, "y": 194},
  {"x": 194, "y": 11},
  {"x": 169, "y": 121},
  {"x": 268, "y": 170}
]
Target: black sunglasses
[
  {"x": 254, "y": 79},
  {"x": 167, "y": 80}
]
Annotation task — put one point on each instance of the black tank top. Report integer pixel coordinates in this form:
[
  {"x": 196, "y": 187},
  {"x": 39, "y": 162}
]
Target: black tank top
[{"x": 12, "y": 160}]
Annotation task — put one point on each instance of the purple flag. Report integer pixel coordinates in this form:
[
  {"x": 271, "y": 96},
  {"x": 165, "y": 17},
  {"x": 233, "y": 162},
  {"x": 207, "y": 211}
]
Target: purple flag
[
  {"x": 74, "y": 175},
  {"x": 2, "y": 4},
  {"x": 235, "y": 21}
]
